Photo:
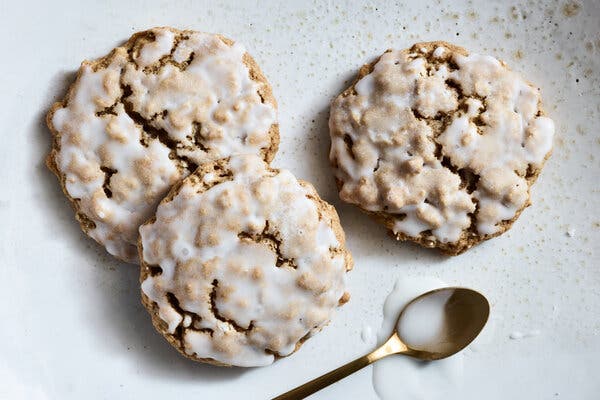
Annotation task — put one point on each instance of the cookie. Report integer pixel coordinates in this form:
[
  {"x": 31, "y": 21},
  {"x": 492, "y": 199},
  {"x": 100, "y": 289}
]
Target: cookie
[
  {"x": 439, "y": 145},
  {"x": 143, "y": 117},
  {"x": 242, "y": 263}
]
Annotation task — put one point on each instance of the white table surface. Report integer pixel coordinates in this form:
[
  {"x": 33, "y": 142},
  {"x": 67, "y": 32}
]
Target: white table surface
[{"x": 72, "y": 326}]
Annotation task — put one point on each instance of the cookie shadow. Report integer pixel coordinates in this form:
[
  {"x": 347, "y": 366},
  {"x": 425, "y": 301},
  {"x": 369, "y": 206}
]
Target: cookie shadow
[
  {"x": 149, "y": 352},
  {"x": 52, "y": 198},
  {"x": 124, "y": 327}
]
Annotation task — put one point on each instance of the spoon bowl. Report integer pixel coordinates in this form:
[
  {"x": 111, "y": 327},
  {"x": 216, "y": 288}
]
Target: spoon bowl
[
  {"x": 442, "y": 322},
  {"x": 432, "y": 326}
]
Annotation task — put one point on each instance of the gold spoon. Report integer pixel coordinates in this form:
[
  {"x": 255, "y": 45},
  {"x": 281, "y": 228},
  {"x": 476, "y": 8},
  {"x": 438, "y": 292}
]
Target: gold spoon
[{"x": 464, "y": 314}]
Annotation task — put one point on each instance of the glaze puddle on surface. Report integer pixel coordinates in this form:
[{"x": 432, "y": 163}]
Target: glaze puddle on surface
[
  {"x": 367, "y": 335},
  {"x": 400, "y": 377},
  {"x": 516, "y": 335}
]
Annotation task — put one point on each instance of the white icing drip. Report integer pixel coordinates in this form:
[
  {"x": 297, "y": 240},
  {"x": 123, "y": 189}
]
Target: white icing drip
[
  {"x": 439, "y": 52},
  {"x": 366, "y": 334},
  {"x": 406, "y": 378},
  {"x": 153, "y": 51},
  {"x": 196, "y": 241}
]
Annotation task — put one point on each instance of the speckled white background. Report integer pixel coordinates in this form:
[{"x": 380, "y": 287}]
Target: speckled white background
[{"x": 71, "y": 323}]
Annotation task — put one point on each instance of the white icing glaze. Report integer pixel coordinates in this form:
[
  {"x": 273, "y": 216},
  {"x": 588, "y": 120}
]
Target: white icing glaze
[
  {"x": 153, "y": 51},
  {"x": 214, "y": 91},
  {"x": 385, "y": 157},
  {"x": 422, "y": 325},
  {"x": 439, "y": 51},
  {"x": 216, "y": 243},
  {"x": 144, "y": 173},
  {"x": 512, "y": 138}
]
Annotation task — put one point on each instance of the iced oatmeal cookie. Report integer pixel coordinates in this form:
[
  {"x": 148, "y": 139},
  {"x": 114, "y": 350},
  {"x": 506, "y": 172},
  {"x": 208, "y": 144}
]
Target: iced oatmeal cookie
[
  {"x": 439, "y": 145},
  {"x": 242, "y": 263},
  {"x": 143, "y": 117}
]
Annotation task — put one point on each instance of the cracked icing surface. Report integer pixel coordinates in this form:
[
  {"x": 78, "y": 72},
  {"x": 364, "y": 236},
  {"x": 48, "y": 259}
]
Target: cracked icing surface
[
  {"x": 242, "y": 263},
  {"x": 440, "y": 145},
  {"x": 140, "y": 119}
]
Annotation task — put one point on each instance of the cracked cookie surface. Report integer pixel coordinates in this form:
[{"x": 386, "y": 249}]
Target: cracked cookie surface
[
  {"x": 140, "y": 119},
  {"x": 242, "y": 263},
  {"x": 439, "y": 145}
]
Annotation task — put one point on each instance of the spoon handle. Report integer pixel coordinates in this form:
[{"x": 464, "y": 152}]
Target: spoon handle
[
  {"x": 392, "y": 346},
  {"x": 323, "y": 381}
]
